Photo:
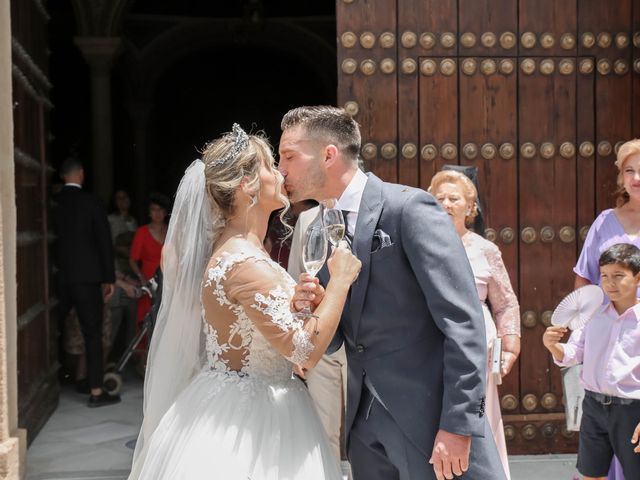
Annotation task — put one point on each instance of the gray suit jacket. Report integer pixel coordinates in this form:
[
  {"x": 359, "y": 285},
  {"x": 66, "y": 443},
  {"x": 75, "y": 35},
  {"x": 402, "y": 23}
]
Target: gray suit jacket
[{"x": 413, "y": 322}]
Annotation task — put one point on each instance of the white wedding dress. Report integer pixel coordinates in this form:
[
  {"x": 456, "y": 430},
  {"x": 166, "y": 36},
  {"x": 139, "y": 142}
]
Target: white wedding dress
[{"x": 244, "y": 416}]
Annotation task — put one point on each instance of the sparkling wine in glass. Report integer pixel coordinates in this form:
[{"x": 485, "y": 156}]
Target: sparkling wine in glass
[
  {"x": 333, "y": 221},
  {"x": 314, "y": 254},
  {"x": 314, "y": 251}
]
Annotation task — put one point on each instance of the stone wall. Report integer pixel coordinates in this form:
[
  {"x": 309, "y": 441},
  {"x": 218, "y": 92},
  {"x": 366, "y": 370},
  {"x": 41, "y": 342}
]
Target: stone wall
[{"x": 12, "y": 441}]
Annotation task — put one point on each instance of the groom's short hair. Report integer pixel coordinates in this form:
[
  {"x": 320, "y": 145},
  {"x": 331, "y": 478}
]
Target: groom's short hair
[{"x": 330, "y": 124}]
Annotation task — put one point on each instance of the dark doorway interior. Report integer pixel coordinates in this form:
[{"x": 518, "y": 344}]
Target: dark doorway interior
[
  {"x": 252, "y": 76},
  {"x": 202, "y": 95}
]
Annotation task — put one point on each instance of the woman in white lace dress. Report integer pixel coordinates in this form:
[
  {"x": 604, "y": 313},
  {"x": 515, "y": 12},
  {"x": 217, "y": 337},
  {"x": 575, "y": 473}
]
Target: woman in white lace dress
[{"x": 220, "y": 398}]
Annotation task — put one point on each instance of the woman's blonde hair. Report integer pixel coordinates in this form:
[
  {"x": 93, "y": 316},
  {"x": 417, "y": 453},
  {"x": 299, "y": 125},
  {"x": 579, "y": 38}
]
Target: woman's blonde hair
[
  {"x": 223, "y": 179},
  {"x": 627, "y": 149},
  {"x": 468, "y": 190}
]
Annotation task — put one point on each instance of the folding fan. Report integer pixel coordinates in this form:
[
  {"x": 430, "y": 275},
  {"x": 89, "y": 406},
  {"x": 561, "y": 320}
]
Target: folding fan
[{"x": 577, "y": 308}]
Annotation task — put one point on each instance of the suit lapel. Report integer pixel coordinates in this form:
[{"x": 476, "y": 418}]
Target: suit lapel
[{"x": 368, "y": 215}]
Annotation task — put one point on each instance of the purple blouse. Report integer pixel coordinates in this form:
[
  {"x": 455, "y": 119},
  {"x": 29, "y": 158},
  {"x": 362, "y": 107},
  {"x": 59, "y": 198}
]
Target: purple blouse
[{"x": 605, "y": 231}]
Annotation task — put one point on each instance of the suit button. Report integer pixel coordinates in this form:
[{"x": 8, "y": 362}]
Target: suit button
[{"x": 360, "y": 348}]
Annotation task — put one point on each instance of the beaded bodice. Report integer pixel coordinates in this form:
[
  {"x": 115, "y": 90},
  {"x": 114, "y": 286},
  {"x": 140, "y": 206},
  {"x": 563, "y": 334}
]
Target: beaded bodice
[{"x": 248, "y": 325}]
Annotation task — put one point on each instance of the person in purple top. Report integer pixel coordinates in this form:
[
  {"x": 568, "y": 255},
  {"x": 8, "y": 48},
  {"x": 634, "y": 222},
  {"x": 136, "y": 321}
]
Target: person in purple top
[
  {"x": 614, "y": 225},
  {"x": 608, "y": 347}
]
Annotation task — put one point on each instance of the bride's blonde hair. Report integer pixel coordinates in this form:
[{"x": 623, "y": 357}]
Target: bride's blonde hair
[{"x": 223, "y": 179}]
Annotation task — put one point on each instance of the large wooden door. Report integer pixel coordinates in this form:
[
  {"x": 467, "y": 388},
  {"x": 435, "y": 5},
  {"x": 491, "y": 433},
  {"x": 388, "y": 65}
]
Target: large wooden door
[
  {"x": 37, "y": 332},
  {"x": 538, "y": 94}
]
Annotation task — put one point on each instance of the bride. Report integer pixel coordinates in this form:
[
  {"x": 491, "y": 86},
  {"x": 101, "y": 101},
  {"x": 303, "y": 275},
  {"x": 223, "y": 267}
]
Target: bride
[{"x": 220, "y": 401}]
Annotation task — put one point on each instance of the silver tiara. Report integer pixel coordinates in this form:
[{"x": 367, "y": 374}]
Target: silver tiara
[{"x": 240, "y": 143}]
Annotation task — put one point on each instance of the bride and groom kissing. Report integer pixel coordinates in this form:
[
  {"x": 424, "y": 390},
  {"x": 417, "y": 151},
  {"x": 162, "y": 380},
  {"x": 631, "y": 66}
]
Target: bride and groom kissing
[{"x": 220, "y": 399}]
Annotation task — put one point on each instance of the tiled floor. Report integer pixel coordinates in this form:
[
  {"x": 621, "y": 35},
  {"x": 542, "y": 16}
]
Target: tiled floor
[
  {"x": 87, "y": 443},
  {"x": 79, "y": 443}
]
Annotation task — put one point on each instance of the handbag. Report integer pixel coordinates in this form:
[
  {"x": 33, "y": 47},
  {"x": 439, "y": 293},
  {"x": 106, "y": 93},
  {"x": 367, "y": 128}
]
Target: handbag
[{"x": 573, "y": 396}]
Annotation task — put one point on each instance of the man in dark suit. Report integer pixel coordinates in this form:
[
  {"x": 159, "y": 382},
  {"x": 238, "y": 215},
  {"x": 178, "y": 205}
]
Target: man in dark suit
[
  {"x": 412, "y": 327},
  {"x": 86, "y": 268}
]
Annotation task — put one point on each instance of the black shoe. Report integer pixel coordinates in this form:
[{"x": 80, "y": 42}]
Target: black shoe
[
  {"x": 82, "y": 386},
  {"x": 102, "y": 400}
]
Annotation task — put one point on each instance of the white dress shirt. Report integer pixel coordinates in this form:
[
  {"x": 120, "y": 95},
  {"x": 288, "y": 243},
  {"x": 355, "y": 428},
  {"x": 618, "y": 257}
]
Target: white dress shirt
[
  {"x": 609, "y": 349},
  {"x": 350, "y": 199}
]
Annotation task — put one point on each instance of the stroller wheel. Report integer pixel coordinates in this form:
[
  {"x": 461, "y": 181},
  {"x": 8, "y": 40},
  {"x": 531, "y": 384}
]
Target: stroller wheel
[
  {"x": 110, "y": 367},
  {"x": 112, "y": 382}
]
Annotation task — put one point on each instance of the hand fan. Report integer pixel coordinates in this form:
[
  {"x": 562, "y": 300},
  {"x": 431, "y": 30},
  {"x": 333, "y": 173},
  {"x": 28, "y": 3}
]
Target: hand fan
[{"x": 577, "y": 308}]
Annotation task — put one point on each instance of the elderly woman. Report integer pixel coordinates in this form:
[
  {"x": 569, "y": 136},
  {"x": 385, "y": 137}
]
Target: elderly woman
[
  {"x": 458, "y": 197},
  {"x": 614, "y": 225}
]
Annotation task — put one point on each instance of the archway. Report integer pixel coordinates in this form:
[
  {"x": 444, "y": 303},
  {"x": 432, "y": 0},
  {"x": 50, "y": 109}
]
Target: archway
[
  {"x": 195, "y": 79},
  {"x": 197, "y": 100}
]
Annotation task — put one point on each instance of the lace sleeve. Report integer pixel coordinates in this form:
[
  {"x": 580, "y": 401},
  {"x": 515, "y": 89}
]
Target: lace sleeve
[
  {"x": 504, "y": 303},
  {"x": 264, "y": 292}
]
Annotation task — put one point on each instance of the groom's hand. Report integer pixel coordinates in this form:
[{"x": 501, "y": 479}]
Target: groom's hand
[
  {"x": 308, "y": 293},
  {"x": 450, "y": 455}
]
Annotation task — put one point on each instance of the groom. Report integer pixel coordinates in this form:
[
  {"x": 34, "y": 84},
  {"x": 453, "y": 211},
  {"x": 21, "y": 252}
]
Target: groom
[{"x": 412, "y": 328}]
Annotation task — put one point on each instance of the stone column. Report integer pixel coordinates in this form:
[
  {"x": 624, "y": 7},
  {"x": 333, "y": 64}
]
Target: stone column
[
  {"x": 100, "y": 53},
  {"x": 139, "y": 111},
  {"x": 12, "y": 445}
]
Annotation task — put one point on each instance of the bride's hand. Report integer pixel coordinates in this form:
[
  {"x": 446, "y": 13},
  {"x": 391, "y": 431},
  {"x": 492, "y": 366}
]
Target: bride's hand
[
  {"x": 308, "y": 293},
  {"x": 343, "y": 265}
]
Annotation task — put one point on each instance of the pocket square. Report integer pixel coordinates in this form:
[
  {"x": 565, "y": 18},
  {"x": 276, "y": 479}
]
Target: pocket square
[{"x": 381, "y": 240}]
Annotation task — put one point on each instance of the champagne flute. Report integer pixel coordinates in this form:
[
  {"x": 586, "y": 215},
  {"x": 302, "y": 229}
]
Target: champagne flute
[
  {"x": 314, "y": 254},
  {"x": 333, "y": 221}
]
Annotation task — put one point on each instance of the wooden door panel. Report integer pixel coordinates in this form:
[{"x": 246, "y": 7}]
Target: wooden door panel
[
  {"x": 488, "y": 27},
  {"x": 37, "y": 380},
  {"x": 425, "y": 27},
  {"x": 547, "y": 204},
  {"x": 438, "y": 107},
  {"x": 547, "y": 27},
  {"x": 407, "y": 44},
  {"x": 488, "y": 135},
  {"x": 28, "y": 185},
  {"x": 613, "y": 127},
  {"x": 600, "y": 24},
  {"x": 30, "y": 287},
  {"x": 409, "y": 155},
  {"x": 580, "y": 100},
  {"x": 36, "y": 355},
  {"x": 369, "y": 86},
  {"x": 564, "y": 208},
  {"x": 586, "y": 168},
  {"x": 605, "y": 35}
]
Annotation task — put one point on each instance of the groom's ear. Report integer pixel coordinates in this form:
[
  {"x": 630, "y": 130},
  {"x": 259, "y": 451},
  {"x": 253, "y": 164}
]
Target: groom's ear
[{"x": 330, "y": 155}]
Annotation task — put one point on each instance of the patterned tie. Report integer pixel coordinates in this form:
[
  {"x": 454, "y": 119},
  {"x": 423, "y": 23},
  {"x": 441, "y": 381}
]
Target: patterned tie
[{"x": 347, "y": 236}]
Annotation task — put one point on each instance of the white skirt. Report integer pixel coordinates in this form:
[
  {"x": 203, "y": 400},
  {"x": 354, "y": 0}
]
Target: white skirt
[{"x": 227, "y": 427}]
